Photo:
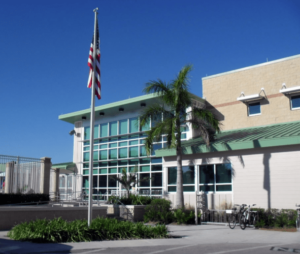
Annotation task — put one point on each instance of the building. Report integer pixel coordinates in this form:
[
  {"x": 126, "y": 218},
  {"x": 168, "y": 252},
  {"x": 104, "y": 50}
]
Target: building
[{"x": 255, "y": 159}]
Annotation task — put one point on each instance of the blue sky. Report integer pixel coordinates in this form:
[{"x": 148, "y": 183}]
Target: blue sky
[{"x": 44, "y": 49}]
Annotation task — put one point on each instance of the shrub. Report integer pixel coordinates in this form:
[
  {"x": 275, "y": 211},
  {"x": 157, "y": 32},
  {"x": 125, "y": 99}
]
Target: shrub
[
  {"x": 184, "y": 216},
  {"x": 276, "y": 218},
  {"x": 16, "y": 198},
  {"x": 131, "y": 200},
  {"x": 158, "y": 210},
  {"x": 58, "y": 230}
]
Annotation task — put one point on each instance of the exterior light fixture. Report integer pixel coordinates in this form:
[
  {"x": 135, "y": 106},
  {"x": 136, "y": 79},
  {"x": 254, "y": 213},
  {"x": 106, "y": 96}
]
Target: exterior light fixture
[
  {"x": 121, "y": 109},
  {"x": 72, "y": 132},
  {"x": 84, "y": 117},
  {"x": 101, "y": 113},
  {"x": 143, "y": 104}
]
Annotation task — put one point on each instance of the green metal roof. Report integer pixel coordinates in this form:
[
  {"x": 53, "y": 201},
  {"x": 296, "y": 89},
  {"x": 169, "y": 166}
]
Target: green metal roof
[
  {"x": 65, "y": 165},
  {"x": 113, "y": 108},
  {"x": 247, "y": 138}
]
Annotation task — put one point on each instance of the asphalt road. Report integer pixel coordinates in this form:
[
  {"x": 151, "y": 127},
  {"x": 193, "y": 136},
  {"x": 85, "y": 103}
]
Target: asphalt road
[{"x": 208, "y": 239}]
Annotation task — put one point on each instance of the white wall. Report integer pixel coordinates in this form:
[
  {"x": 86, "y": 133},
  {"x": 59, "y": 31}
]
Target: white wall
[{"x": 268, "y": 177}]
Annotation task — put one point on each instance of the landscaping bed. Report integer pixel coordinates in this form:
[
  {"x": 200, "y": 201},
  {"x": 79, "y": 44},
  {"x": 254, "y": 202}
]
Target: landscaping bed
[{"x": 59, "y": 230}]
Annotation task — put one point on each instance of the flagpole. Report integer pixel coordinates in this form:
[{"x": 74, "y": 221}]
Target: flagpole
[{"x": 90, "y": 213}]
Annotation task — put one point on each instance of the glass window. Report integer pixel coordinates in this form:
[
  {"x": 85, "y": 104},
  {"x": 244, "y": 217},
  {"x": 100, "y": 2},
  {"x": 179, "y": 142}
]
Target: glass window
[
  {"x": 144, "y": 180},
  {"x": 96, "y": 131},
  {"x": 134, "y": 151},
  {"x": 85, "y": 181},
  {"x": 223, "y": 173},
  {"x": 62, "y": 181},
  {"x": 206, "y": 174},
  {"x": 172, "y": 175},
  {"x": 254, "y": 108},
  {"x": 112, "y": 182},
  {"x": 155, "y": 119},
  {"x": 86, "y": 148},
  {"x": 156, "y": 179},
  {"x": 86, "y": 156},
  {"x": 95, "y": 181},
  {"x": 103, "y": 181},
  {"x": 146, "y": 127},
  {"x": 87, "y": 132},
  {"x": 156, "y": 160},
  {"x": 133, "y": 142},
  {"x": 103, "y": 146},
  {"x": 188, "y": 173},
  {"x": 133, "y": 125},
  {"x": 123, "y": 152},
  {"x": 123, "y": 143},
  {"x": 113, "y": 170},
  {"x": 103, "y": 130},
  {"x": 156, "y": 167},
  {"x": 144, "y": 168},
  {"x": 103, "y": 155},
  {"x": 295, "y": 102},
  {"x": 113, "y": 145},
  {"x": 103, "y": 171},
  {"x": 143, "y": 151},
  {"x": 95, "y": 156},
  {"x": 113, "y": 154},
  {"x": 113, "y": 128},
  {"x": 123, "y": 127},
  {"x": 215, "y": 177},
  {"x": 155, "y": 147}
]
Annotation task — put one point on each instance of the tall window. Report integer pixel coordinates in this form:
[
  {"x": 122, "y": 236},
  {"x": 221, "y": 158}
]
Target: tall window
[
  {"x": 254, "y": 109},
  {"x": 188, "y": 173},
  {"x": 295, "y": 102},
  {"x": 215, "y": 178}
]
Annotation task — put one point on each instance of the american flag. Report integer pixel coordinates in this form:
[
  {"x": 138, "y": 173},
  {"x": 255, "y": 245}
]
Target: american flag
[{"x": 91, "y": 62}]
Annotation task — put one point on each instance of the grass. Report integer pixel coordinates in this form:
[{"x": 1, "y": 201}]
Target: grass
[{"x": 59, "y": 230}]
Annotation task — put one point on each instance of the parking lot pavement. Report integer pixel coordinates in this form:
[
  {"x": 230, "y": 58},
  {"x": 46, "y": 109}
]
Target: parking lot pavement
[{"x": 193, "y": 239}]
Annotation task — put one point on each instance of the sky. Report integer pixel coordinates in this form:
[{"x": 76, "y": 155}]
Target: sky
[{"x": 44, "y": 48}]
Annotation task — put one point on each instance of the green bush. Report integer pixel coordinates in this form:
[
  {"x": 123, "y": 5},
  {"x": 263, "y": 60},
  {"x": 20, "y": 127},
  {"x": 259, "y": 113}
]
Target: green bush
[
  {"x": 131, "y": 200},
  {"x": 276, "y": 218},
  {"x": 17, "y": 198},
  {"x": 59, "y": 230},
  {"x": 136, "y": 200},
  {"x": 184, "y": 216},
  {"x": 159, "y": 211}
]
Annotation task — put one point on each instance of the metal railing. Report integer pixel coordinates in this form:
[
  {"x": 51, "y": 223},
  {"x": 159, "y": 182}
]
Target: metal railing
[{"x": 23, "y": 174}]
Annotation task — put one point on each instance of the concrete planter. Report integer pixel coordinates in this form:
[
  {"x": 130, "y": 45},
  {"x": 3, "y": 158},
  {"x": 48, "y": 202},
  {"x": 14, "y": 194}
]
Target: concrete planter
[
  {"x": 132, "y": 212},
  {"x": 127, "y": 212},
  {"x": 11, "y": 216}
]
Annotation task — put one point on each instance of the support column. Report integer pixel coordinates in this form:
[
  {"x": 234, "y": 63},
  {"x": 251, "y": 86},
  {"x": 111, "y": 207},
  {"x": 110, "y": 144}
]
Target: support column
[
  {"x": 55, "y": 185},
  {"x": 9, "y": 177},
  {"x": 45, "y": 175}
]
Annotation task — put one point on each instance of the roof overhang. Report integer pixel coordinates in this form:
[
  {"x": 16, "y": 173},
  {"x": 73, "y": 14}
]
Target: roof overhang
[
  {"x": 295, "y": 89},
  {"x": 249, "y": 138},
  {"x": 253, "y": 97},
  {"x": 66, "y": 167},
  {"x": 113, "y": 108}
]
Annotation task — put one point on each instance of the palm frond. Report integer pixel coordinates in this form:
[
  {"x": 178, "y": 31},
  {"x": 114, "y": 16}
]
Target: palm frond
[{"x": 158, "y": 87}]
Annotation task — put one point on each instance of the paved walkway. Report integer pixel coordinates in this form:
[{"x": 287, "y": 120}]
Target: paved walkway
[{"x": 195, "y": 239}]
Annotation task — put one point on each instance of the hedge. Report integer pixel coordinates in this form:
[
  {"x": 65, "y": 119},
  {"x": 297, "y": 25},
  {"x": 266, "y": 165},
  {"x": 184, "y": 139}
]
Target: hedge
[{"x": 17, "y": 198}]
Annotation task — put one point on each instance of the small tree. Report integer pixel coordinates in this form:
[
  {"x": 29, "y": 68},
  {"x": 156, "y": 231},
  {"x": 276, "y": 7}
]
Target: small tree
[
  {"x": 175, "y": 100},
  {"x": 127, "y": 180}
]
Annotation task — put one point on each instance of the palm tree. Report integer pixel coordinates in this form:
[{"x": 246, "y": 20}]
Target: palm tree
[
  {"x": 175, "y": 102},
  {"x": 127, "y": 180}
]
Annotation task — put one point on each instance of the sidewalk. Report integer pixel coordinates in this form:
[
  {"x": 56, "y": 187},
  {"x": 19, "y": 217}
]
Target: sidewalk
[{"x": 206, "y": 236}]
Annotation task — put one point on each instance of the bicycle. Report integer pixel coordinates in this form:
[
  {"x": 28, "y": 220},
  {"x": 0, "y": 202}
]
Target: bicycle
[
  {"x": 236, "y": 214},
  {"x": 248, "y": 217}
]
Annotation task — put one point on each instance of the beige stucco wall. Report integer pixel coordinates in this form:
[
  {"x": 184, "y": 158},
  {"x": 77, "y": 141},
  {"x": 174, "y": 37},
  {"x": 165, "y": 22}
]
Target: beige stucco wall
[
  {"x": 268, "y": 177},
  {"x": 221, "y": 92}
]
